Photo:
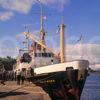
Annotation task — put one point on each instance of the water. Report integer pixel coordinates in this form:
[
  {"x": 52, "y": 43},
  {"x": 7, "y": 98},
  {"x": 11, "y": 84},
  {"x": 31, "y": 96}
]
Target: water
[{"x": 91, "y": 90}]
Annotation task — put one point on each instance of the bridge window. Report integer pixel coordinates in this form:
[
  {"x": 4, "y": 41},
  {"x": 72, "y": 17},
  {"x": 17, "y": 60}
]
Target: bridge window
[
  {"x": 49, "y": 54},
  {"x": 44, "y": 55},
  {"x": 35, "y": 54},
  {"x": 52, "y": 55},
  {"x": 39, "y": 54}
]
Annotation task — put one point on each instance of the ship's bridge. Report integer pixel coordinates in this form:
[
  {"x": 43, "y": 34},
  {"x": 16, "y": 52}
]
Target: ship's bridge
[
  {"x": 43, "y": 58},
  {"x": 47, "y": 55}
]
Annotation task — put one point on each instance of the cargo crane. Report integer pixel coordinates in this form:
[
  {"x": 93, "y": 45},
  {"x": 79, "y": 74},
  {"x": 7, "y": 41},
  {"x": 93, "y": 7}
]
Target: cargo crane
[{"x": 33, "y": 38}]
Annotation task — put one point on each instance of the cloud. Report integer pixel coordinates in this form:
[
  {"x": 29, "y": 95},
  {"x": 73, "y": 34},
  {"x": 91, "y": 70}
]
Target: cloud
[
  {"x": 24, "y": 6},
  {"x": 59, "y": 3},
  {"x": 8, "y": 47},
  {"x": 5, "y": 15},
  {"x": 90, "y": 52},
  {"x": 54, "y": 1}
]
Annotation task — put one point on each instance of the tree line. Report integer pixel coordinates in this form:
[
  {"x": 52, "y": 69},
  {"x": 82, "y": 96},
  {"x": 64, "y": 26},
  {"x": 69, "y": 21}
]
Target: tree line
[{"x": 7, "y": 63}]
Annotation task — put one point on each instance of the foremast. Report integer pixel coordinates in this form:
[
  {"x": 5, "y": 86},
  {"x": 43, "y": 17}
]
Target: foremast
[{"x": 42, "y": 31}]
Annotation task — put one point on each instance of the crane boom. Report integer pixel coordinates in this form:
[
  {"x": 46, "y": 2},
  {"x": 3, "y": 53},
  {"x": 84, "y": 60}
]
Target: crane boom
[{"x": 31, "y": 37}]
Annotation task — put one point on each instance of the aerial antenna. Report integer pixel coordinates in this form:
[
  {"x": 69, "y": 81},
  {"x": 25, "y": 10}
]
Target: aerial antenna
[
  {"x": 41, "y": 16},
  {"x": 81, "y": 42},
  {"x": 41, "y": 13},
  {"x": 26, "y": 36},
  {"x": 62, "y": 18}
]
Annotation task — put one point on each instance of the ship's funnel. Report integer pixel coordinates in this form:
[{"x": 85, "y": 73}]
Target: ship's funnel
[{"x": 62, "y": 43}]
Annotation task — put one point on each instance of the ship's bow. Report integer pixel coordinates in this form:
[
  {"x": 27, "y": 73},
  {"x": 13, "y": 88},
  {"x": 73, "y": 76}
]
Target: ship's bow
[{"x": 68, "y": 84}]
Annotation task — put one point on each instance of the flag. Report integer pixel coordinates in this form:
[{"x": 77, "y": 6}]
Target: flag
[
  {"x": 80, "y": 38},
  {"x": 44, "y": 17}
]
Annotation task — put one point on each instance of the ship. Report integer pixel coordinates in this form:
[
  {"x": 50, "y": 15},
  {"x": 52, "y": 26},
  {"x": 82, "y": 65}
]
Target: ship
[{"x": 62, "y": 80}]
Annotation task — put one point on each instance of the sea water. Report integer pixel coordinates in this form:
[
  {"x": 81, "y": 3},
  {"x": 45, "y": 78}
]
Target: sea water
[{"x": 91, "y": 89}]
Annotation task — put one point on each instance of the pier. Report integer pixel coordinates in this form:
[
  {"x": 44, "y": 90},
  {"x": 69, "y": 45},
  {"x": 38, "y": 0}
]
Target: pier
[{"x": 12, "y": 91}]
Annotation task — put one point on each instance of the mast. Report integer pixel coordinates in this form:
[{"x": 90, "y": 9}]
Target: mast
[
  {"x": 62, "y": 41},
  {"x": 42, "y": 32},
  {"x": 41, "y": 16},
  {"x": 27, "y": 39}
]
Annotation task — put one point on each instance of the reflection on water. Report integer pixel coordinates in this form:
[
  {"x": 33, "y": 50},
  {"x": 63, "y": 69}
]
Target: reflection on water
[{"x": 92, "y": 88}]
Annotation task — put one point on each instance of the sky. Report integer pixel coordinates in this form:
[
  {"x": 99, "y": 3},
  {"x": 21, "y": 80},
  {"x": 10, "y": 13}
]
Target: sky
[{"x": 81, "y": 17}]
